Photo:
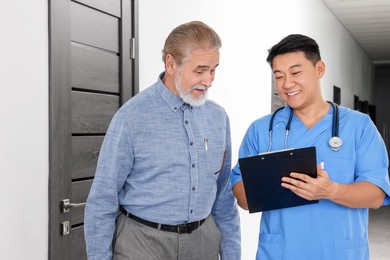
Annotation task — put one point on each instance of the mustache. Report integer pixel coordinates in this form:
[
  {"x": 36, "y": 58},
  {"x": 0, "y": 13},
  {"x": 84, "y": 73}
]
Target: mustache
[{"x": 199, "y": 88}]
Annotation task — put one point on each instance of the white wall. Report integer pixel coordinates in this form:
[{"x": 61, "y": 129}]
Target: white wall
[
  {"x": 248, "y": 28},
  {"x": 382, "y": 92},
  {"x": 243, "y": 86},
  {"x": 24, "y": 130}
]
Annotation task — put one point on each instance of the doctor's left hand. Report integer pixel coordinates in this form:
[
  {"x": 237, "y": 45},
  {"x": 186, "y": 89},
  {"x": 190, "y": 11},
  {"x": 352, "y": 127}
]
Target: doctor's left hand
[{"x": 310, "y": 188}]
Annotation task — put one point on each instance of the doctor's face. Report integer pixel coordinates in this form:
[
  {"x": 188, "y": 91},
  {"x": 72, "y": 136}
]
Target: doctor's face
[
  {"x": 297, "y": 79},
  {"x": 194, "y": 77}
]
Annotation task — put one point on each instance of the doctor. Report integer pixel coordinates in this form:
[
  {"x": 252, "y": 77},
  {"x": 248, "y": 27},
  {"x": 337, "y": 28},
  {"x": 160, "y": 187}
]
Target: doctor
[{"x": 355, "y": 175}]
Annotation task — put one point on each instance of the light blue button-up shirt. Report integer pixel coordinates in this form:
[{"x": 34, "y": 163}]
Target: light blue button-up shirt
[{"x": 167, "y": 162}]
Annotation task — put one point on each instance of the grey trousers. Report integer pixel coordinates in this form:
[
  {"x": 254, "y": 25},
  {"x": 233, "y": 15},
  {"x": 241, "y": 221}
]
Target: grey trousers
[{"x": 135, "y": 241}]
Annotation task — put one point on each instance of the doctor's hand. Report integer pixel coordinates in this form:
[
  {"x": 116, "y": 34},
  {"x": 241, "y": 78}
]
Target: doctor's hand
[
  {"x": 310, "y": 188},
  {"x": 360, "y": 194}
]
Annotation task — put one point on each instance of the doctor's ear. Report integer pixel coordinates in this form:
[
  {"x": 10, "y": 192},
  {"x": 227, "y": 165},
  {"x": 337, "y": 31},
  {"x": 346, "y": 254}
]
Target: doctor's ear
[{"x": 320, "y": 67}]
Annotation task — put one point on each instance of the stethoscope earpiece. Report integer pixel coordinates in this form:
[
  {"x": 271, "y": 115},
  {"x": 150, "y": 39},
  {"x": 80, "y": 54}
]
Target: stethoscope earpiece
[{"x": 335, "y": 142}]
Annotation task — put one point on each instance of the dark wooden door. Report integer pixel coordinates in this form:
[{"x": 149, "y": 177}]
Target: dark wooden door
[{"x": 92, "y": 72}]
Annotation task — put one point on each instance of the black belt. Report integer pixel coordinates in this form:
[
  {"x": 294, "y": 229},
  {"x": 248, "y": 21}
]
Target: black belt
[{"x": 180, "y": 229}]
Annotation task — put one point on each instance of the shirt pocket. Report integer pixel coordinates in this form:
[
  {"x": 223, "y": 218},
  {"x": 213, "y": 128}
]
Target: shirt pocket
[
  {"x": 340, "y": 170},
  {"x": 215, "y": 153},
  {"x": 351, "y": 249},
  {"x": 270, "y": 245}
]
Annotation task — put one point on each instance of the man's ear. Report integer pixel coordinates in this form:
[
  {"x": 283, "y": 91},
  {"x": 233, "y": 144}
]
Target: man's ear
[
  {"x": 320, "y": 66},
  {"x": 170, "y": 64}
]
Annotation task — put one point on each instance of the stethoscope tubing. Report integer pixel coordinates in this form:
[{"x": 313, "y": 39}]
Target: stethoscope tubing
[{"x": 335, "y": 141}]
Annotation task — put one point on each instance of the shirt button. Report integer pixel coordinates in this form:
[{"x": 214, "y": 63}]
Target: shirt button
[
  {"x": 186, "y": 122},
  {"x": 191, "y": 143},
  {"x": 191, "y": 211},
  {"x": 193, "y": 165},
  {"x": 193, "y": 188}
]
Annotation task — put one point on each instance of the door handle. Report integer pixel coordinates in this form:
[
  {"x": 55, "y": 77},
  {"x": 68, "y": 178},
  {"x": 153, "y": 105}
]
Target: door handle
[{"x": 66, "y": 205}]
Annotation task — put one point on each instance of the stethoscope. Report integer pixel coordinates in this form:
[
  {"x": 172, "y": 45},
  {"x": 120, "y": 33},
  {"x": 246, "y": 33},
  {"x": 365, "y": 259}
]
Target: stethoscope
[{"x": 334, "y": 142}]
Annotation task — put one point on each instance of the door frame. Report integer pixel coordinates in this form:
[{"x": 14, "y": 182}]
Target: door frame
[{"x": 60, "y": 106}]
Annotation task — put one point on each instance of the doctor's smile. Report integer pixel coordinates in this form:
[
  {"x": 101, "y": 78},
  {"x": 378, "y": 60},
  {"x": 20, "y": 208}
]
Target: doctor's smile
[{"x": 293, "y": 93}]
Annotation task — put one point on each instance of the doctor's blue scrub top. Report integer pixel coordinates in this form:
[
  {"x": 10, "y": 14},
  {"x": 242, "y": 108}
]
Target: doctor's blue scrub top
[{"x": 325, "y": 230}]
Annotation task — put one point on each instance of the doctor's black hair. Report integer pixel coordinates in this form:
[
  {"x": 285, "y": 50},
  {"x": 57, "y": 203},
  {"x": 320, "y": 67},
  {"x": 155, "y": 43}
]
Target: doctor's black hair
[{"x": 295, "y": 43}]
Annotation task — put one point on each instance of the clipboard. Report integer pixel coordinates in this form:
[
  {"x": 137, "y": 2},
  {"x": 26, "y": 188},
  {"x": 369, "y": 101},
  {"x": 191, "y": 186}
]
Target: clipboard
[{"x": 261, "y": 175}]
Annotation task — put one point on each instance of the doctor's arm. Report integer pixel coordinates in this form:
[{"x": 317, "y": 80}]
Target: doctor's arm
[
  {"x": 249, "y": 147},
  {"x": 360, "y": 194},
  {"x": 239, "y": 193}
]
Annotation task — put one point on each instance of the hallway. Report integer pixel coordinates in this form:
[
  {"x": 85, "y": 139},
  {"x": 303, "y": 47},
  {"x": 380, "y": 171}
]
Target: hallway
[{"x": 379, "y": 233}]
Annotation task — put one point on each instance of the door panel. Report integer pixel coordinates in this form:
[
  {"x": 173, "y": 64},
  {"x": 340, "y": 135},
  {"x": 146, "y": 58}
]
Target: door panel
[
  {"x": 112, "y": 7},
  {"x": 94, "y": 28},
  {"x": 85, "y": 153},
  {"x": 77, "y": 244},
  {"x": 91, "y": 75},
  {"x": 94, "y": 69},
  {"x": 92, "y": 113}
]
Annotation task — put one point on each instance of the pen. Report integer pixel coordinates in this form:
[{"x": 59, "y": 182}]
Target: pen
[{"x": 206, "y": 143}]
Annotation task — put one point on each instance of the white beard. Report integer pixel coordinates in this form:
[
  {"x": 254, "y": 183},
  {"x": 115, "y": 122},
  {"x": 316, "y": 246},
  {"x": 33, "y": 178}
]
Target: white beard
[{"x": 187, "y": 96}]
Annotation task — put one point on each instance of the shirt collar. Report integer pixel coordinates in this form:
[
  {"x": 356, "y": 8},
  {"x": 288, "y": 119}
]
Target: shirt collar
[{"x": 173, "y": 101}]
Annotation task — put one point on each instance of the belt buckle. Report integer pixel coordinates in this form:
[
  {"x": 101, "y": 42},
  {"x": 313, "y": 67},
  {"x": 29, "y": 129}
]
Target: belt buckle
[{"x": 182, "y": 229}]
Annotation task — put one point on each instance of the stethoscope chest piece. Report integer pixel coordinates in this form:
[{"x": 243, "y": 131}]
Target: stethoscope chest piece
[{"x": 335, "y": 143}]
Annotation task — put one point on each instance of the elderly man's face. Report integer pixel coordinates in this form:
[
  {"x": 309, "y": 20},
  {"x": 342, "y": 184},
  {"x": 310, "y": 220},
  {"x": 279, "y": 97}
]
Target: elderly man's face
[{"x": 195, "y": 75}]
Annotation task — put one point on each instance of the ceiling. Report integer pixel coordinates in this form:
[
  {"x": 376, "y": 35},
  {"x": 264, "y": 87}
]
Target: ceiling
[{"x": 369, "y": 23}]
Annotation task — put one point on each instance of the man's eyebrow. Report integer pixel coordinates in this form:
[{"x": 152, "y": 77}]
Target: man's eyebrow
[
  {"x": 293, "y": 66},
  {"x": 204, "y": 67}
]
